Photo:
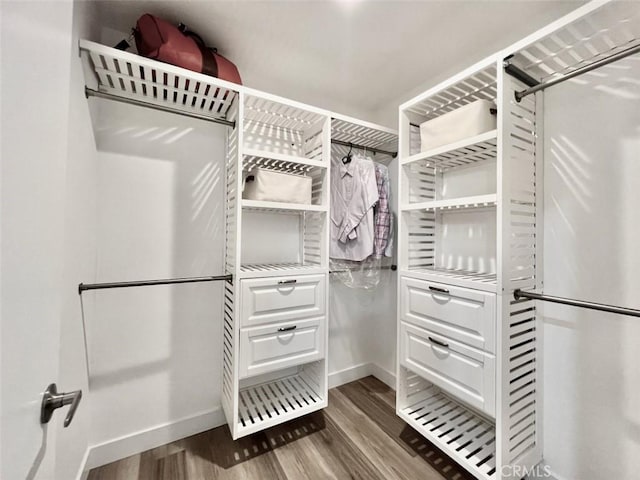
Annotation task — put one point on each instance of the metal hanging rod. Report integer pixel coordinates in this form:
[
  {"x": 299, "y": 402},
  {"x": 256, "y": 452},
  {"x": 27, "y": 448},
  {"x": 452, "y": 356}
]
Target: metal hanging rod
[
  {"x": 145, "y": 283},
  {"x": 362, "y": 147},
  {"x": 519, "y": 294},
  {"x": 344, "y": 270},
  {"x": 130, "y": 101},
  {"x": 587, "y": 68}
]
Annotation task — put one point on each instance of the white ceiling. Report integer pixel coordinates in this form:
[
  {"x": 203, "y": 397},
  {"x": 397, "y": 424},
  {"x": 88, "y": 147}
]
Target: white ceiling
[{"x": 358, "y": 57}]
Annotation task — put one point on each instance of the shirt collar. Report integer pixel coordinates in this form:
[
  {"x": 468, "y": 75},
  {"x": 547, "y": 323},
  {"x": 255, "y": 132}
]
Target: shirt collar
[{"x": 346, "y": 168}]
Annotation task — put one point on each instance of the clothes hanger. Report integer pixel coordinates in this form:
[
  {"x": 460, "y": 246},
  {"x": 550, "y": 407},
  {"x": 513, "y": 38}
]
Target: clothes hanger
[{"x": 347, "y": 158}]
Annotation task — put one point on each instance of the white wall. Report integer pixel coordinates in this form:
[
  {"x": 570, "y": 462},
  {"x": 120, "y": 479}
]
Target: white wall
[
  {"x": 155, "y": 352},
  {"x": 591, "y": 368}
]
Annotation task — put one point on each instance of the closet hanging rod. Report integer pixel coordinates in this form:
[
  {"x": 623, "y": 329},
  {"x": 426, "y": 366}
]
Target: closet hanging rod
[
  {"x": 362, "y": 147},
  {"x": 88, "y": 92},
  {"x": 579, "y": 71},
  {"x": 519, "y": 294},
  {"x": 344, "y": 270},
  {"x": 144, "y": 283}
]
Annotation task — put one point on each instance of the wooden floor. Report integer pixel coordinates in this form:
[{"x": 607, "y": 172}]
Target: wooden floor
[{"x": 358, "y": 436}]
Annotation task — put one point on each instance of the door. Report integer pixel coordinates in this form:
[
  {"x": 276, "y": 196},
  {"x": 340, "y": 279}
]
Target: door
[{"x": 35, "y": 45}]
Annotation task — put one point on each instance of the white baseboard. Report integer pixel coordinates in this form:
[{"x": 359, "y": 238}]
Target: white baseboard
[
  {"x": 362, "y": 370},
  {"x": 350, "y": 374},
  {"x": 125, "y": 446},
  {"x": 122, "y": 447},
  {"x": 83, "y": 472},
  {"x": 384, "y": 375}
]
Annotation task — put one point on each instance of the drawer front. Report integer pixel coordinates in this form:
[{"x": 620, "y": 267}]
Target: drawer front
[
  {"x": 466, "y": 315},
  {"x": 275, "y": 346},
  {"x": 465, "y": 373},
  {"x": 267, "y": 300}
]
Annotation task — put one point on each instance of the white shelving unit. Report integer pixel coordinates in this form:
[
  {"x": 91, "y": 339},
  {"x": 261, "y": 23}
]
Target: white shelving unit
[
  {"x": 500, "y": 241},
  {"x": 275, "y": 310},
  {"x": 271, "y": 279},
  {"x": 455, "y": 235},
  {"x": 270, "y": 373}
]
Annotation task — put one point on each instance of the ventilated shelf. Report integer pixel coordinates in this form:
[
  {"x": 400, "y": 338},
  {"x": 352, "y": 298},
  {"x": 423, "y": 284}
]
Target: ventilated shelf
[
  {"x": 455, "y": 204},
  {"x": 131, "y": 76},
  {"x": 283, "y": 127},
  {"x": 280, "y": 207},
  {"x": 279, "y": 269},
  {"x": 262, "y": 406},
  {"x": 601, "y": 33},
  {"x": 465, "y": 152},
  {"x": 365, "y": 134},
  {"x": 477, "y": 83},
  {"x": 272, "y": 111},
  {"x": 279, "y": 161},
  {"x": 461, "y": 278},
  {"x": 463, "y": 435}
]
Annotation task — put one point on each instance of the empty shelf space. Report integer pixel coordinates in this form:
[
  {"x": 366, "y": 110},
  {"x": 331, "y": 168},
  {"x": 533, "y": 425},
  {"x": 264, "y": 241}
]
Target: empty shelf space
[
  {"x": 282, "y": 207},
  {"x": 460, "y": 278},
  {"x": 131, "y": 76},
  {"x": 270, "y": 110},
  {"x": 279, "y": 161},
  {"x": 465, "y": 436},
  {"x": 464, "y": 152},
  {"x": 362, "y": 133},
  {"x": 464, "y": 203},
  {"x": 268, "y": 404},
  {"x": 279, "y": 269}
]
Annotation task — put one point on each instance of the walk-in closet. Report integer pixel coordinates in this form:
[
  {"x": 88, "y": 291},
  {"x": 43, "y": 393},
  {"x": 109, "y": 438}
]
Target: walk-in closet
[{"x": 331, "y": 239}]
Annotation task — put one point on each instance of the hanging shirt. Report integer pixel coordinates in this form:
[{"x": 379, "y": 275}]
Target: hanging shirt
[
  {"x": 382, "y": 212},
  {"x": 354, "y": 192}
]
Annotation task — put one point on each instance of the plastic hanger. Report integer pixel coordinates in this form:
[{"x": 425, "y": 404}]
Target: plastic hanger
[{"x": 347, "y": 158}]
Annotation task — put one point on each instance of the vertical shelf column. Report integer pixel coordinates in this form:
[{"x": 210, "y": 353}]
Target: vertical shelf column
[{"x": 519, "y": 401}]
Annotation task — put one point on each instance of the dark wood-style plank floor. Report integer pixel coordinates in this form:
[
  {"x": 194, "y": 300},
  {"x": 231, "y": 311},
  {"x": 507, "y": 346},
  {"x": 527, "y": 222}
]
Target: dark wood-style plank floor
[{"x": 358, "y": 436}]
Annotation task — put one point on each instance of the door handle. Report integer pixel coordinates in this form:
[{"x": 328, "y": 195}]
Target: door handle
[{"x": 52, "y": 400}]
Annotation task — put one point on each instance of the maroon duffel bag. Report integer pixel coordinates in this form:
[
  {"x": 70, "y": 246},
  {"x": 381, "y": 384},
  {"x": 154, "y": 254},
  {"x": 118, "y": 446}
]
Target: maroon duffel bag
[{"x": 160, "y": 40}]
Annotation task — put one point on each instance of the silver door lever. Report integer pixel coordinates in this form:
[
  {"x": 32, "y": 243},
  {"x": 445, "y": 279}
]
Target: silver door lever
[{"x": 52, "y": 400}]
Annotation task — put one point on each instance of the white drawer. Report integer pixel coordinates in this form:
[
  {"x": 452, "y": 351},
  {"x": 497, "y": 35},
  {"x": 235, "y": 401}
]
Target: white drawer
[
  {"x": 275, "y": 299},
  {"x": 275, "y": 346},
  {"x": 464, "y": 372},
  {"x": 459, "y": 313}
]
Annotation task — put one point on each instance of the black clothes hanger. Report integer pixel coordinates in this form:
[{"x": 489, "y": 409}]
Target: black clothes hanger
[{"x": 347, "y": 158}]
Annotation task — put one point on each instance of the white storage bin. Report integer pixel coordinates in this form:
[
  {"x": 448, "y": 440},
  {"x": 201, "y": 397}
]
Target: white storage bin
[
  {"x": 465, "y": 122},
  {"x": 271, "y": 186}
]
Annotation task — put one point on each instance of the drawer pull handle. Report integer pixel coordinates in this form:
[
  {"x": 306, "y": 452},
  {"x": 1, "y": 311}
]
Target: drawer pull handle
[
  {"x": 287, "y": 329},
  {"x": 438, "y": 342},
  {"x": 284, "y": 282},
  {"x": 438, "y": 289}
]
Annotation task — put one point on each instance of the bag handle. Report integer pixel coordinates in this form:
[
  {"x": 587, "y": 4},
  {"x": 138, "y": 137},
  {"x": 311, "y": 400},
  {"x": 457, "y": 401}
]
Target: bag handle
[{"x": 198, "y": 39}]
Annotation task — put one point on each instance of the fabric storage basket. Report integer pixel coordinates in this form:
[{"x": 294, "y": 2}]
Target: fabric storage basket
[
  {"x": 271, "y": 186},
  {"x": 464, "y": 122}
]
